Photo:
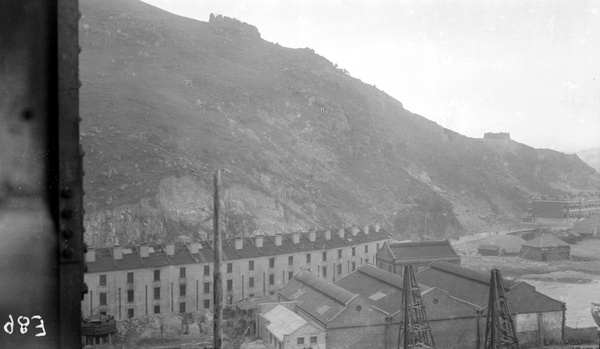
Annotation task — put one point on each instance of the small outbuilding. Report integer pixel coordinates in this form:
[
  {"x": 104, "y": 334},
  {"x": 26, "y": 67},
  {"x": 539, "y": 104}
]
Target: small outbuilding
[
  {"x": 546, "y": 248},
  {"x": 501, "y": 245}
]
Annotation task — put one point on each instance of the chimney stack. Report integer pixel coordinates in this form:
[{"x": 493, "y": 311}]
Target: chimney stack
[
  {"x": 239, "y": 243},
  {"x": 312, "y": 236},
  {"x": 328, "y": 234},
  {"x": 90, "y": 255},
  {"x": 170, "y": 249},
  {"x": 195, "y": 247},
  {"x": 366, "y": 229},
  {"x": 296, "y": 237},
  {"x": 144, "y": 251},
  {"x": 278, "y": 240},
  {"x": 376, "y": 227},
  {"x": 341, "y": 233},
  {"x": 117, "y": 252},
  {"x": 259, "y": 241},
  {"x": 354, "y": 230}
]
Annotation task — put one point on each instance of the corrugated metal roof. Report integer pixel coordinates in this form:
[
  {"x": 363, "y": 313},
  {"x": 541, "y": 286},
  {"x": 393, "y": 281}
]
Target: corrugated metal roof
[
  {"x": 322, "y": 302},
  {"x": 382, "y": 289},
  {"x": 466, "y": 284},
  {"x": 324, "y": 286},
  {"x": 546, "y": 240},
  {"x": 283, "y": 321}
]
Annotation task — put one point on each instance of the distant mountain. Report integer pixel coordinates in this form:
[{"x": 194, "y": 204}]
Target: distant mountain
[
  {"x": 590, "y": 157},
  {"x": 165, "y": 100}
]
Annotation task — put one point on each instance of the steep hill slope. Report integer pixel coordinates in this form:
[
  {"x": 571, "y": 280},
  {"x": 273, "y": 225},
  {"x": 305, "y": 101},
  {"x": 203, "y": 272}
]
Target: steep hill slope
[
  {"x": 165, "y": 100},
  {"x": 591, "y": 157}
]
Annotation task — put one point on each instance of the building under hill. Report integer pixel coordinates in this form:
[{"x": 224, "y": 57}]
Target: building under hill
[
  {"x": 537, "y": 317},
  {"x": 546, "y": 248},
  {"x": 349, "y": 320},
  {"x": 394, "y": 256},
  {"x": 144, "y": 280},
  {"x": 563, "y": 209}
]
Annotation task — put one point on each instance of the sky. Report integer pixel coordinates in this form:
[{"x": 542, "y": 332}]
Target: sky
[{"x": 530, "y": 68}]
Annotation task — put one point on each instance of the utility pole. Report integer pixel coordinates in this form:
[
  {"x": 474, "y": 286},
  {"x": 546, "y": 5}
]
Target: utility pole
[{"x": 217, "y": 284}]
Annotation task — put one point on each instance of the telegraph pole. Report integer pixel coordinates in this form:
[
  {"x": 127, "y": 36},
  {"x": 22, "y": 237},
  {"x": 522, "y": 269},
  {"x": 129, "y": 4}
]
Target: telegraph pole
[{"x": 217, "y": 284}]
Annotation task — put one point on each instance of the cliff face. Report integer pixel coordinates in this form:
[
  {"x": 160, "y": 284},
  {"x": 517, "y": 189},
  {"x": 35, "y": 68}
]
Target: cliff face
[{"x": 166, "y": 100}]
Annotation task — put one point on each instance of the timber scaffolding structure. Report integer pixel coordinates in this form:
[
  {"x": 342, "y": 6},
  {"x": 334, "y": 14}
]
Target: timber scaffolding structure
[
  {"x": 500, "y": 330},
  {"x": 414, "y": 329}
]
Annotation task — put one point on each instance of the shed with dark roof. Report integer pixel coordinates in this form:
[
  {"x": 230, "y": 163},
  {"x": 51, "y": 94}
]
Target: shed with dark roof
[
  {"x": 350, "y": 320},
  {"x": 454, "y": 322},
  {"x": 546, "y": 248},
  {"x": 392, "y": 257},
  {"x": 530, "y": 308}
]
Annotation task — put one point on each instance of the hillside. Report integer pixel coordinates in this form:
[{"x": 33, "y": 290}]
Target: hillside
[
  {"x": 591, "y": 157},
  {"x": 165, "y": 100}
]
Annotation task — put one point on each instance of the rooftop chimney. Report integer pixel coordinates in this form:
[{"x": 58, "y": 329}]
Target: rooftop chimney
[
  {"x": 328, "y": 234},
  {"x": 195, "y": 247},
  {"x": 239, "y": 243},
  {"x": 259, "y": 241},
  {"x": 170, "y": 249},
  {"x": 376, "y": 227},
  {"x": 144, "y": 251},
  {"x": 341, "y": 233},
  {"x": 117, "y": 252},
  {"x": 354, "y": 230},
  {"x": 278, "y": 240},
  {"x": 90, "y": 255},
  {"x": 296, "y": 237},
  {"x": 312, "y": 236},
  {"x": 366, "y": 230}
]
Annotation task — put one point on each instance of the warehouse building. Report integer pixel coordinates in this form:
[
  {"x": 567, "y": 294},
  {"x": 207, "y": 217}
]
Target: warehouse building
[
  {"x": 546, "y": 248},
  {"x": 393, "y": 256},
  {"x": 349, "y": 320},
  {"x": 537, "y": 317},
  {"x": 454, "y": 322}
]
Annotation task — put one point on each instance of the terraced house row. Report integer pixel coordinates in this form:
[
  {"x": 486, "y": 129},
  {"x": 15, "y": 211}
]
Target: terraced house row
[{"x": 146, "y": 280}]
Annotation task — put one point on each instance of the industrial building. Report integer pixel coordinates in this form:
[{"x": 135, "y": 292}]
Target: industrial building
[
  {"x": 393, "y": 256},
  {"x": 349, "y": 319},
  {"x": 143, "y": 280},
  {"x": 537, "y": 317},
  {"x": 546, "y": 247},
  {"x": 454, "y": 322}
]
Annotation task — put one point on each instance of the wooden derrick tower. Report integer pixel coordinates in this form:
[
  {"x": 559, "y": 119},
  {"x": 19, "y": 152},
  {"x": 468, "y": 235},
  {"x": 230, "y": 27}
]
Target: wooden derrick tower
[
  {"x": 414, "y": 327},
  {"x": 499, "y": 330}
]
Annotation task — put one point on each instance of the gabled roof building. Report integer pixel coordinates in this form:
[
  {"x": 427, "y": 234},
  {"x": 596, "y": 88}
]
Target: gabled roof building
[
  {"x": 546, "y": 248},
  {"x": 537, "y": 317},
  {"x": 394, "y": 256},
  {"x": 454, "y": 322},
  {"x": 281, "y": 328},
  {"x": 349, "y": 319}
]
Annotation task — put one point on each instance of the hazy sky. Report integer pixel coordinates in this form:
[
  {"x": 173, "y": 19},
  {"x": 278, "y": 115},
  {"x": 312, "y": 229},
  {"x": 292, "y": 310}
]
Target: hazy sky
[{"x": 531, "y": 68}]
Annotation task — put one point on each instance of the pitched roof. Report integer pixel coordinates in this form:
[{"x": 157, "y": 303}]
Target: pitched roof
[
  {"x": 319, "y": 298},
  {"x": 283, "y": 321},
  {"x": 466, "y": 284},
  {"x": 546, "y": 240},
  {"x": 104, "y": 260},
  {"x": 423, "y": 250},
  {"x": 382, "y": 289}
]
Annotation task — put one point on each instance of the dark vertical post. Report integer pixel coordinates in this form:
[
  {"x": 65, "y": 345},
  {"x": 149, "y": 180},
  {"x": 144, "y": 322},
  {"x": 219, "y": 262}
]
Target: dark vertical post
[
  {"x": 406, "y": 306},
  {"x": 217, "y": 285}
]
